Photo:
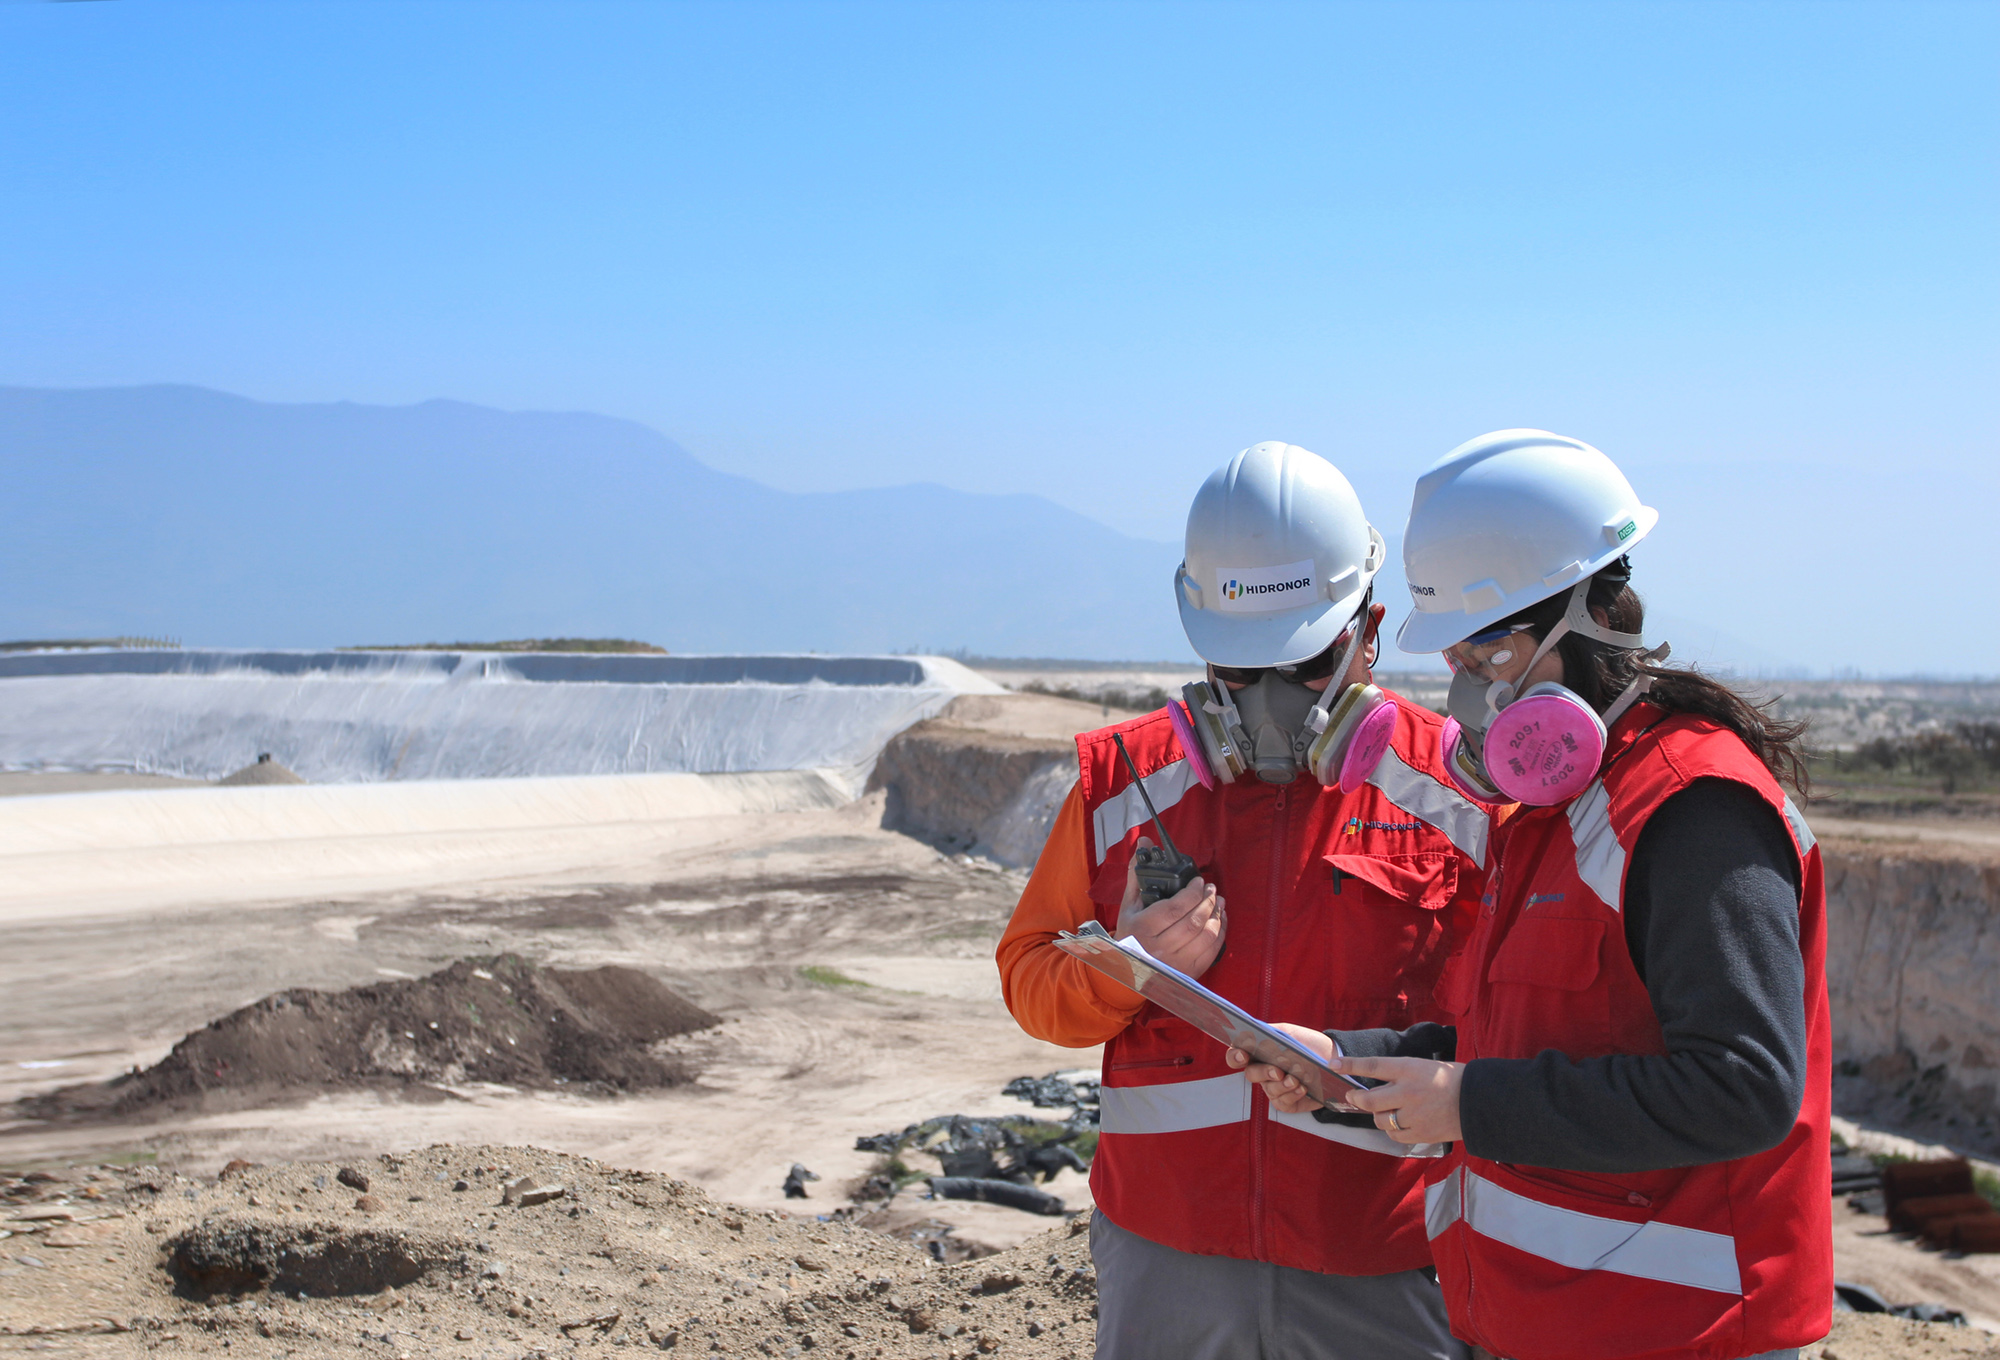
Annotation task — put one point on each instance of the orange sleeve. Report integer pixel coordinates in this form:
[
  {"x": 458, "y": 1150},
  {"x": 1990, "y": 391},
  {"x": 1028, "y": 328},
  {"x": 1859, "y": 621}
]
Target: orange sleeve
[{"x": 1053, "y": 996}]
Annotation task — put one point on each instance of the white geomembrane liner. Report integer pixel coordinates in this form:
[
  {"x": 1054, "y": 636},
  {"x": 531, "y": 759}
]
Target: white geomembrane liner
[{"x": 360, "y": 717}]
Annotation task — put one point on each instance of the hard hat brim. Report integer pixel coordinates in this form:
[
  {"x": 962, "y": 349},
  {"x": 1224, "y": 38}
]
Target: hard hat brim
[
  {"x": 1281, "y": 638},
  {"x": 1424, "y": 631}
]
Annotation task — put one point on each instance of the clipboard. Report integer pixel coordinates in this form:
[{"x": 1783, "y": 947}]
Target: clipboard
[{"x": 1127, "y": 963}]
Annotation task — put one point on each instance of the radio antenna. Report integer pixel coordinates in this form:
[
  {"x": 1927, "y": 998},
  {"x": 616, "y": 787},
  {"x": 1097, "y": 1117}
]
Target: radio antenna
[{"x": 1165, "y": 840}]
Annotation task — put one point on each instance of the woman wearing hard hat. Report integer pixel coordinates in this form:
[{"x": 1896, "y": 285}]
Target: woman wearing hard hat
[{"x": 1635, "y": 1092}]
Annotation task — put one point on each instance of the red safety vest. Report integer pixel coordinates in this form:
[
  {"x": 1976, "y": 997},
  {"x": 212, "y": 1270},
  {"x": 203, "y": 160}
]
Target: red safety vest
[
  {"x": 1342, "y": 910},
  {"x": 1718, "y": 1261}
]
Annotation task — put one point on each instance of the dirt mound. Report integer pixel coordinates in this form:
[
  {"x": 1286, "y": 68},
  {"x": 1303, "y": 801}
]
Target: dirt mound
[
  {"x": 320, "y": 1261},
  {"x": 501, "y": 1020},
  {"x": 264, "y": 771}
]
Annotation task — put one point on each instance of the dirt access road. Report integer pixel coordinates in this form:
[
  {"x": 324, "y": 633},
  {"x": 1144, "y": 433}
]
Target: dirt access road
[{"x": 853, "y": 967}]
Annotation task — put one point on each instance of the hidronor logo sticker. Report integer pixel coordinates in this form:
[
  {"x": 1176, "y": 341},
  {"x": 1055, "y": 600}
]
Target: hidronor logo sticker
[{"x": 1247, "y": 590}]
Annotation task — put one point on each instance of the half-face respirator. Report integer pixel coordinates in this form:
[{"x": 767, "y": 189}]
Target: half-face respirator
[
  {"x": 1277, "y": 725},
  {"x": 1543, "y": 745}
]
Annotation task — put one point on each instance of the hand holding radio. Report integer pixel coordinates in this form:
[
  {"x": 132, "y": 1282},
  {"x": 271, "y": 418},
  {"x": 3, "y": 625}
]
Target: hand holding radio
[{"x": 1185, "y": 931}]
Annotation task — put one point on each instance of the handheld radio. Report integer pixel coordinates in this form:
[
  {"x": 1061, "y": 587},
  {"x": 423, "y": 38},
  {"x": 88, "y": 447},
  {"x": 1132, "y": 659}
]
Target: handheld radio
[{"x": 1162, "y": 869}]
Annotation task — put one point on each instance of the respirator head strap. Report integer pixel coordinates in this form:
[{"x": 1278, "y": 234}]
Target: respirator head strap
[
  {"x": 1320, "y": 715},
  {"x": 1575, "y": 619},
  {"x": 1641, "y": 683}
]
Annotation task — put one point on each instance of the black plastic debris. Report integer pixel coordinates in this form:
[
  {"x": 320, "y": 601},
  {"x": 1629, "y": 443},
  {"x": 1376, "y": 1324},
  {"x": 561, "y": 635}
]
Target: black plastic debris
[
  {"x": 1854, "y": 1175},
  {"x": 1013, "y": 1151},
  {"x": 1054, "y": 1091},
  {"x": 1048, "y": 1159},
  {"x": 795, "y": 1181},
  {"x": 1009, "y": 1193},
  {"x": 1859, "y": 1298}
]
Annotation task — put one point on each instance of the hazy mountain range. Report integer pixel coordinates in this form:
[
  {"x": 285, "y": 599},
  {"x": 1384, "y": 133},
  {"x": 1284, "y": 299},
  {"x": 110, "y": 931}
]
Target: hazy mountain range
[{"x": 182, "y": 512}]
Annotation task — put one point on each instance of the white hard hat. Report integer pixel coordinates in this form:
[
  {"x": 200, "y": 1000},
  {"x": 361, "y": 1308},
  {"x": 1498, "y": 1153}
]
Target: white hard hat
[
  {"x": 1505, "y": 521},
  {"x": 1279, "y": 557}
]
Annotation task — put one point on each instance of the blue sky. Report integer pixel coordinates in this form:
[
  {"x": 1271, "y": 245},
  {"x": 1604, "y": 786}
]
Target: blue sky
[{"x": 1088, "y": 250}]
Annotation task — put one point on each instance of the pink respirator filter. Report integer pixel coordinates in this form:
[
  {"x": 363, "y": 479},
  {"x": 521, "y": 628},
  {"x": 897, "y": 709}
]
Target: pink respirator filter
[
  {"x": 1190, "y": 744},
  {"x": 1367, "y": 746},
  {"x": 1544, "y": 747},
  {"x": 1448, "y": 739}
]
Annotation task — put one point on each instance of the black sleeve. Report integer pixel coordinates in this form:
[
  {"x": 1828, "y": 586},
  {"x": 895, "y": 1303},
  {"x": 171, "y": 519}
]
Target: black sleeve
[
  {"x": 1712, "y": 922},
  {"x": 1428, "y": 1040}
]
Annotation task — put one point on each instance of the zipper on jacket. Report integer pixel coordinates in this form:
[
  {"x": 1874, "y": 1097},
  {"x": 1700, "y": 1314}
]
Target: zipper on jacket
[
  {"x": 1183, "y": 1061},
  {"x": 1260, "y": 1128}
]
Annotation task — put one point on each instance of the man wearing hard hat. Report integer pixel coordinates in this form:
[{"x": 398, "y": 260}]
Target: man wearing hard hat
[{"x": 1337, "y": 869}]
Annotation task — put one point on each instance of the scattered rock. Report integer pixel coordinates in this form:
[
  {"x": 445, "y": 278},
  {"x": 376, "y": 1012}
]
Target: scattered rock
[
  {"x": 78, "y": 1235},
  {"x": 528, "y": 1192},
  {"x": 236, "y": 1167},
  {"x": 352, "y": 1179},
  {"x": 367, "y": 1204},
  {"x": 602, "y": 1321},
  {"x": 1000, "y": 1284}
]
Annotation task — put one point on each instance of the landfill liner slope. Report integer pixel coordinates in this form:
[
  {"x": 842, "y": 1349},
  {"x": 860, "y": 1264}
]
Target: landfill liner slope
[{"x": 500, "y": 1019}]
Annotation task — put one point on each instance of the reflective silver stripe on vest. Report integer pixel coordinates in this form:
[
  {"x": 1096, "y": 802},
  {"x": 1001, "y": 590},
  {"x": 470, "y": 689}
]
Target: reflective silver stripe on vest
[
  {"x": 1462, "y": 821},
  {"x": 1441, "y": 1204},
  {"x": 1646, "y": 1251},
  {"x": 1800, "y": 831},
  {"x": 1174, "y": 1106},
  {"x": 1370, "y": 1139},
  {"x": 1600, "y": 859},
  {"x": 1117, "y": 815}
]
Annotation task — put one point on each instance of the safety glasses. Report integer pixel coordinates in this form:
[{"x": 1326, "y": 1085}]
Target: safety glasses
[
  {"x": 1485, "y": 650},
  {"x": 1312, "y": 668}
]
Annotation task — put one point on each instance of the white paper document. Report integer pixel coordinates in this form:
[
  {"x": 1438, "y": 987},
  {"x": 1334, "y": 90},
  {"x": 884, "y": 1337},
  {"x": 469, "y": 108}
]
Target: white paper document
[{"x": 1126, "y": 962}]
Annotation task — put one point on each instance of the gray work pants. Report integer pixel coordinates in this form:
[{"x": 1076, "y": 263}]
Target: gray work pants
[{"x": 1155, "y": 1303}]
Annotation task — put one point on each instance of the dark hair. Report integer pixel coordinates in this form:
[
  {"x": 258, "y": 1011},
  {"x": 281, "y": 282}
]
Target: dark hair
[{"x": 1600, "y": 672}]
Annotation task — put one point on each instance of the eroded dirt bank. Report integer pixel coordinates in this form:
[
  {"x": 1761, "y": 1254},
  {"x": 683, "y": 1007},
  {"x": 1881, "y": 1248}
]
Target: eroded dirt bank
[{"x": 1913, "y": 969}]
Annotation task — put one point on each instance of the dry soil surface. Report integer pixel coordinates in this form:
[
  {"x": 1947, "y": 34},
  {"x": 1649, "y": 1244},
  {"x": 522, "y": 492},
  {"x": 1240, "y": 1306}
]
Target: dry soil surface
[
  {"x": 433, "y": 1254},
  {"x": 517, "y": 1252},
  {"x": 852, "y": 969}
]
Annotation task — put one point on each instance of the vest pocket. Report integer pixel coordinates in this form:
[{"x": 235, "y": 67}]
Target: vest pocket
[
  {"x": 1425, "y": 881},
  {"x": 1545, "y": 989},
  {"x": 1386, "y": 934}
]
